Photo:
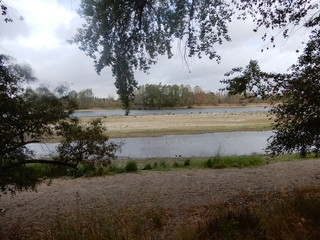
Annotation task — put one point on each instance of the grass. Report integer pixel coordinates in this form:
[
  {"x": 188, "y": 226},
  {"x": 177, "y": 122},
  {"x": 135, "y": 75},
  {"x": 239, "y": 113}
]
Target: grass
[
  {"x": 160, "y": 164},
  {"x": 130, "y": 223},
  {"x": 291, "y": 216},
  {"x": 287, "y": 215}
]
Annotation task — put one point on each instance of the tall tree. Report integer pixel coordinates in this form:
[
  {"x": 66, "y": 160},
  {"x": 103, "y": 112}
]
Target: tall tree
[
  {"x": 129, "y": 35},
  {"x": 297, "y": 116},
  {"x": 28, "y": 116}
]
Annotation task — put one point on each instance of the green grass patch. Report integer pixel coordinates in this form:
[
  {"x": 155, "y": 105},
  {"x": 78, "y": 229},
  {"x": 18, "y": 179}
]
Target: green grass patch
[
  {"x": 161, "y": 164},
  {"x": 235, "y": 161}
]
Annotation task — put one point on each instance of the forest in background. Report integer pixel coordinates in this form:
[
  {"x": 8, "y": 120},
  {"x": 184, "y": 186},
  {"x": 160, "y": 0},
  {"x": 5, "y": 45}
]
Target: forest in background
[{"x": 158, "y": 96}]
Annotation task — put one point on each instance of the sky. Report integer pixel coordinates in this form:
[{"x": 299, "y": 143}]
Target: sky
[{"x": 40, "y": 39}]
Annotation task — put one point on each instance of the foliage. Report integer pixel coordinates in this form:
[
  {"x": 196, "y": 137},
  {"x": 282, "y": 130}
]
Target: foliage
[
  {"x": 4, "y": 11},
  {"x": 157, "y": 96},
  {"x": 131, "y": 166},
  {"x": 281, "y": 15},
  {"x": 297, "y": 121},
  {"x": 31, "y": 116},
  {"x": 297, "y": 118},
  {"x": 248, "y": 80},
  {"x": 84, "y": 143},
  {"x": 130, "y": 35},
  {"x": 235, "y": 161},
  {"x": 151, "y": 96}
]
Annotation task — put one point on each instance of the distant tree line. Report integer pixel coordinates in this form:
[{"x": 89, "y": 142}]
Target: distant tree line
[
  {"x": 85, "y": 99},
  {"x": 151, "y": 96},
  {"x": 157, "y": 96}
]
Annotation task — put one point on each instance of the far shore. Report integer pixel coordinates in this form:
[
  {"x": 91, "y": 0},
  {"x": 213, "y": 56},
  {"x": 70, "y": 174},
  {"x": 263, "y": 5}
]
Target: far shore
[{"x": 224, "y": 105}]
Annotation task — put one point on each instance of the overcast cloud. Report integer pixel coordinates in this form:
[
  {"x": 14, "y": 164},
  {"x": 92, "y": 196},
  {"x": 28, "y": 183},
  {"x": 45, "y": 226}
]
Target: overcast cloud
[{"x": 40, "y": 40}]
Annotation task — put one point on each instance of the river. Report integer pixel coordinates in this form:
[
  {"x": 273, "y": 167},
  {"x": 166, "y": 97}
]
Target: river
[
  {"x": 99, "y": 113},
  {"x": 195, "y": 145}
]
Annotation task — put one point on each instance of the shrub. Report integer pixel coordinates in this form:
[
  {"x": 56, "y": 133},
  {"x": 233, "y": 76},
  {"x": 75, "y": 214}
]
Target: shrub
[
  {"x": 176, "y": 165},
  {"x": 163, "y": 165},
  {"x": 131, "y": 166},
  {"x": 208, "y": 163},
  {"x": 187, "y": 163},
  {"x": 147, "y": 167}
]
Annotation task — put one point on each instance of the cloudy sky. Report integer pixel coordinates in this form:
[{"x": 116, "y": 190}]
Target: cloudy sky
[{"x": 40, "y": 40}]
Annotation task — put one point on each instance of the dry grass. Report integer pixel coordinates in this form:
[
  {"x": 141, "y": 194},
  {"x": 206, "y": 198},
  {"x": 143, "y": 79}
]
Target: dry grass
[{"x": 281, "y": 215}]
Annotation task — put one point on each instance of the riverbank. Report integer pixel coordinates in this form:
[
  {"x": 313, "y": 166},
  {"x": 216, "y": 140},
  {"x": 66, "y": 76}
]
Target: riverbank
[{"x": 153, "y": 125}]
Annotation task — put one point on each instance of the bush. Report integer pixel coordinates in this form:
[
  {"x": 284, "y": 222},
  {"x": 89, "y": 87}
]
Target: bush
[
  {"x": 113, "y": 168},
  {"x": 208, "y": 163},
  {"x": 163, "y": 165},
  {"x": 131, "y": 166},
  {"x": 176, "y": 165},
  {"x": 147, "y": 167},
  {"x": 187, "y": 163}
]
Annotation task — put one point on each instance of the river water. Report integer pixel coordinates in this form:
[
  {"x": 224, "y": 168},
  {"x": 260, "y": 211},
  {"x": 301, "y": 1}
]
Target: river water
[
  {"x": 99, "y": 113},
  {"x": 195, "y": 145}
]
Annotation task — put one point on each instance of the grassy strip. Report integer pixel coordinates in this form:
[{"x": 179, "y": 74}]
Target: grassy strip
[{"x": 160, "y": 164}]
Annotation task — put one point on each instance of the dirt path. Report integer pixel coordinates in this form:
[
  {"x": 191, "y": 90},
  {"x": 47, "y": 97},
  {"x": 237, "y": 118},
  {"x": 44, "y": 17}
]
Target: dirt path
[{"x": 176, "y": 189}]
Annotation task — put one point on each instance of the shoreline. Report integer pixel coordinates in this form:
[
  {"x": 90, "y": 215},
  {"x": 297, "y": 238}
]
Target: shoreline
[{"x": 224, "y": 105}]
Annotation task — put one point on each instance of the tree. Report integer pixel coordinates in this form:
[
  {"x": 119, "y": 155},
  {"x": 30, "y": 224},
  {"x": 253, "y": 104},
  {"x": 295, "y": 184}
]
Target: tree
[
  {"x": 130, "y": 35},
  {"x": 85, "y": 98},
  {"x": 297, "y": 116},
  {"x": 28, "y": 116}
]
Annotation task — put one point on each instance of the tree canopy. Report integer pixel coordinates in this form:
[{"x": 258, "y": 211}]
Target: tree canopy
[
  {"x": 130, "y": 35},
  {"x": 32, "y": 116},
  {"x": 297, "y": 112}
]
